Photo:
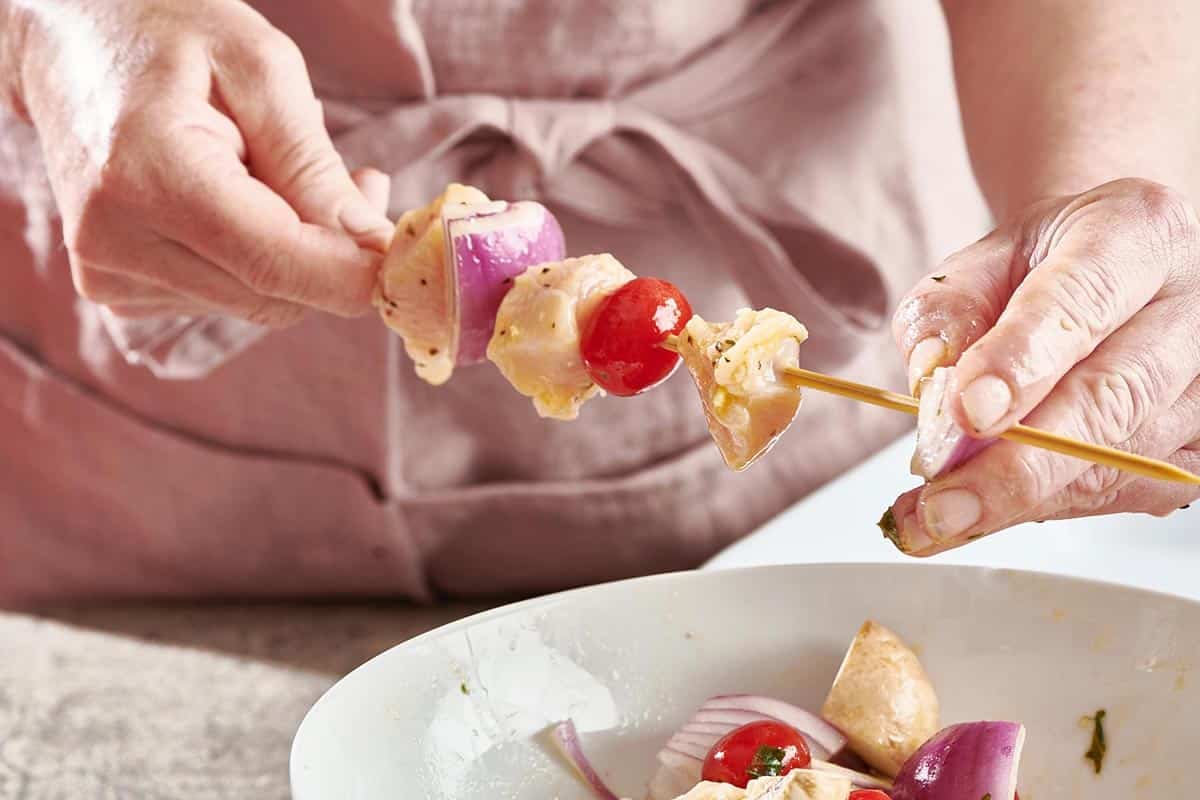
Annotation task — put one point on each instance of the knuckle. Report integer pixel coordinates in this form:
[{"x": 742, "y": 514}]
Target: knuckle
[
  {"x": 273, "y": 54},
  {"x": 1174, "y": 229},
  {"x": 1114, "y": 404},
  {"x": 1096, "y": 489},
  {"x": 1031, "y": 481},
  {"x": 309, "y": 163},
  {"x": 1169, "y": 209},
  {"x": 264, "y": 272},
  {"x": 1086, "y": 298}
]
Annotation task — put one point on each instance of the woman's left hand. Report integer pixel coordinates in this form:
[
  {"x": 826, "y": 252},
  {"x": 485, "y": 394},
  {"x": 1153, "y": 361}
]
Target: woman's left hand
[{"x": 1082, "y": 318}]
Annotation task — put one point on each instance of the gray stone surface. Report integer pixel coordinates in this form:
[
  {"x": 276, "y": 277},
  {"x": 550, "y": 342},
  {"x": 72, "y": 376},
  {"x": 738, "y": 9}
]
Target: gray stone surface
[{"x": 175, "y": 701}]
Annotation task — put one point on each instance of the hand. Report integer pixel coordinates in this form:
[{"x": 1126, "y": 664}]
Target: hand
[
  {"x": 1082, "y": 318},
  {"x": 189, "y": 159}
]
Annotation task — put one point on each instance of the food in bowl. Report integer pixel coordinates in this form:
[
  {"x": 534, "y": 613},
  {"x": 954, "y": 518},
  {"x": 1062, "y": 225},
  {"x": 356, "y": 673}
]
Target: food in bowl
[{"x": 877, "y": 738}]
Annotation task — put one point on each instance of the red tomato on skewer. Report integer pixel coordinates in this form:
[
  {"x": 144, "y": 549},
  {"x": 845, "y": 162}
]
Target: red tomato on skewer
[
  {"x": 868, "y": 794},
  {"x": 756, "y": 750},
  {"x": 621, "y": 342}
]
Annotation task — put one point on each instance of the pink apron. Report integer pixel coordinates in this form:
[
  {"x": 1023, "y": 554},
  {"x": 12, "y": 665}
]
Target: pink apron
[{"x": 800, "y": 154}]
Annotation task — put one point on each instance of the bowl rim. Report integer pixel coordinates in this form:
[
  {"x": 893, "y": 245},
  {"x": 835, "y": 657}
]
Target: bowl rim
[{"x": 521, "y": 606}]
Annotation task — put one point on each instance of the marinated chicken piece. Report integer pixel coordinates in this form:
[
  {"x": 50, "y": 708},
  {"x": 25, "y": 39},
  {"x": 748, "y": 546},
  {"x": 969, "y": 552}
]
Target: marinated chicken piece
[
  {"x": 800, "y": 784},
  {"x": 536, "y": 339},
  {"x": 714, "y": 791},
  {"x": 737, "y": 368},
  {"x": 882, "y": 699},
  {"x": 412, "y": 294}
]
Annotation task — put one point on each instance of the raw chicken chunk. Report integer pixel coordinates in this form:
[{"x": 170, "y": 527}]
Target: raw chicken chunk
[
  {"x": 801, "y": 784},
  {"x": 736, "y": 368},
  {"x": 412, "y": 294},
  {"x": 708, "y": 790},
  {"x": 882, "y": 699},
  {"x": 538, "y": 328}
]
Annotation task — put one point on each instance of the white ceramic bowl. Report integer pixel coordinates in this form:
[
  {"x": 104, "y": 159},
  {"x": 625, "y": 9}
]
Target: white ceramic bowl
[{"x": 455, "y": 714}]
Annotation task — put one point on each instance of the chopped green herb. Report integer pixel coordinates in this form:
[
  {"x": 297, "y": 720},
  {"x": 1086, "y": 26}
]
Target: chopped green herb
[
  {"x": 1099, "y": 748},
  {"x": 462, "y": 687},
  {"x": 887, "y": 524},
  {"x": 767, "y": 762},
  {"x": 938, "y": 278}
]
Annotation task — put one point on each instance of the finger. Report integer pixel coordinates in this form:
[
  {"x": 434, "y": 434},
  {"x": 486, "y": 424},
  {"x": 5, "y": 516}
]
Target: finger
[
  {"x": 1101, "y": 487},
  {"x": 1131, "y": 379},
  {"x": 376, "y": 186},
  {"x": 199, "y": 282},
  {"x": 264, "y": 83},
  {"x": 1141, "y": 496},
  {"x": 110, "y": 288},
  {"x": 1102, "y": 490},
  {"x": 1096, "y": 277},
  {"x": 899, "y": 523},
  {"x": 198, "y": 194},
  {"x": 951, "y": 308}
]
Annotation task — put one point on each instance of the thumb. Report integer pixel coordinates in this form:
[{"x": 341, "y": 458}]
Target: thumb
[
  {"x": 956, "y": 304},
  {"x": 264, "y": 84}
]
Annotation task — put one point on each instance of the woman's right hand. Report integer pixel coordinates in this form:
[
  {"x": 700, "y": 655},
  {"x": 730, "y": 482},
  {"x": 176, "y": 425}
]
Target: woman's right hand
[{"x": 190, "y": 162}]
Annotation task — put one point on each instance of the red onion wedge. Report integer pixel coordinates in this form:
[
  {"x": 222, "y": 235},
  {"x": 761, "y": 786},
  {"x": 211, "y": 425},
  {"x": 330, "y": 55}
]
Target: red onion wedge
[
  {"x": 970, "y": 760},
  {"x": 567, "y": 738},
  {"x": 941, "y": 444},
  {"x": 682, "y": 758},
  {"x": 487, "y": 246}
]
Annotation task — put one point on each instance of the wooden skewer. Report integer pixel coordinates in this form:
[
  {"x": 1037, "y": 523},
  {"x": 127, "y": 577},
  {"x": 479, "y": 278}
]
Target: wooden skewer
[{"x": 1022, "y": 434}]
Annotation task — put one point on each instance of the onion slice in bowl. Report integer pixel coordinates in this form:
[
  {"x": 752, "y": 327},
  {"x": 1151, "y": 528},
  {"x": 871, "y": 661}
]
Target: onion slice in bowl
[
  {"x": 566, "y": 737},
  {"x": 824, "y": 741},
  {"x": 487, "y": 246},
  {"x": 941, "y": 444},
  {"x": 681, "y": 760},
  {"x": 969, "y": 760}
]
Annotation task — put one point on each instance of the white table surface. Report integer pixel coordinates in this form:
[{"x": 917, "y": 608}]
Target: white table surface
[{"x": 837, "y": 524}]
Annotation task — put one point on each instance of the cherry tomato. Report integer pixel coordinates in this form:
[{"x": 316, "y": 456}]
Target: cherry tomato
[
  {"x": 754, "y": 751},
  {"x": 620, "y": 343},
  {"x": 868, "y": 794}
]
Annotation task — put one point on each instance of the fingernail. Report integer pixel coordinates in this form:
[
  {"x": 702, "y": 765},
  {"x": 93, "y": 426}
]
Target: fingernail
[
  {"x": 925, "y": 357},
  {"x": 361, "y": 220},
  {"x": 986, "y": 401},
  {"x": 950, "y": 513},
  {"x": 913, "y": 538}
]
